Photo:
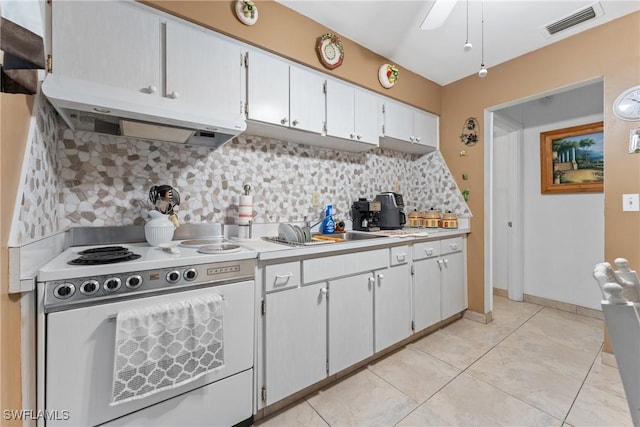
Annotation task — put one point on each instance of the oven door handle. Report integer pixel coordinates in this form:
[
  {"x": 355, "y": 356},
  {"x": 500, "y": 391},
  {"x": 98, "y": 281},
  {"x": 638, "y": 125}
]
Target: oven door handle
[{"x": 113, "y": 317}]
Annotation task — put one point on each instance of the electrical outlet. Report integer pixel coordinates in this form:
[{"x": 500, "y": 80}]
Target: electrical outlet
[
  {"x": 630, "y": 202},
  {"x": 396, "y": 186},
  {"x": 315, "y": 198}
]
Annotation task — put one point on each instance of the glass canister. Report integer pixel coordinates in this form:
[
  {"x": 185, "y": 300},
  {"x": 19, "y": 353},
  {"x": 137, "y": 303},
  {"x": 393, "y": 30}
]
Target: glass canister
[
  {"x": 431, "y": 218},
  {"x": 415, "y": 219},
  {"x": 449, "y": 220}
]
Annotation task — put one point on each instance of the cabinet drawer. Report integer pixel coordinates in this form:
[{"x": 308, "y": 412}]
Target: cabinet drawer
[
  {"x": 327, "y": 268},
  {"x": 426, "y": 250},
  {"x": 281, "y": 276},
  {"x": 448, "y": 246},
  {"x": 400, "y": 255}
]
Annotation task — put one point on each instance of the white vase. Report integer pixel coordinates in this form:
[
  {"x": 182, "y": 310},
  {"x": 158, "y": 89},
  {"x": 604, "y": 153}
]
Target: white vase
[{"x": 159, "y": 229}]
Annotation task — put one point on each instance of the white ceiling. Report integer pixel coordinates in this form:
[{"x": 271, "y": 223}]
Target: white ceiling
[{"x": 391, "y": 28}]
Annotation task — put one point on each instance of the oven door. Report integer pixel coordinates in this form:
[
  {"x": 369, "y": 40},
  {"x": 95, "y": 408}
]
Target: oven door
[{"x": 79, "y": 366}]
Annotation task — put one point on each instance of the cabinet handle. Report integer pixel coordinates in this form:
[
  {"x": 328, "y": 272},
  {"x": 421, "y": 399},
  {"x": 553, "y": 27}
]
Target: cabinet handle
[
  {"x": 173, "y": 95},
  {"x": 150, "y": 89},
  {"x": 453, "y": 246},
  {"x": 401, "y": 257},
  {"x": 284, "y": 276},
  {"x": 428, "y": 251},
  {"x": 295, "y": 123},
  {"x": 284, "y": 121}
]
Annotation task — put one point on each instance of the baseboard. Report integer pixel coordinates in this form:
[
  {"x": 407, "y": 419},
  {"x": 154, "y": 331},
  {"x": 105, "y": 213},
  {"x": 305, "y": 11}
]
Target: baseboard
[
  {"x": 608, "y": 359},
  {"x": 558, "y": 305},
  {"x": 479, "y": 317}
]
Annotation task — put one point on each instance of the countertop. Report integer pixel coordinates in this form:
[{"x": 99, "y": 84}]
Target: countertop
[{"x": 268, "y": 250}]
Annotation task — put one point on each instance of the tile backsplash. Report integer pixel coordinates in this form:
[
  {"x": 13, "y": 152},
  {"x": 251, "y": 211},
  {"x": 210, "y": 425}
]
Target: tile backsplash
[{"x": 91, "y": 179}]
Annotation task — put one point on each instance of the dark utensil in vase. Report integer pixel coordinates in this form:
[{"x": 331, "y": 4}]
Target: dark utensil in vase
[{"x": 165, "y": 198}]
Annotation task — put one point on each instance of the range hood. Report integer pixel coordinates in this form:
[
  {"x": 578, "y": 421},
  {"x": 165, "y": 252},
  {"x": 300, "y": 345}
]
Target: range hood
[{"x": 93, "y": 107}]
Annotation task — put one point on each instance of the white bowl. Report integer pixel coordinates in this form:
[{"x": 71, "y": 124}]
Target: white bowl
[{"x": 158, "y": 235}]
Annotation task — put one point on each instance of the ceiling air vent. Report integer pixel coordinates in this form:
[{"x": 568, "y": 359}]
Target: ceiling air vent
[{"x": 585, "y": 14}]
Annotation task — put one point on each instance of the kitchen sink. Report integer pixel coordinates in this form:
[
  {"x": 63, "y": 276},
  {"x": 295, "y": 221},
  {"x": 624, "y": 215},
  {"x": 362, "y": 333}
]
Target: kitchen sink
[{"x": 348, "y": 236}]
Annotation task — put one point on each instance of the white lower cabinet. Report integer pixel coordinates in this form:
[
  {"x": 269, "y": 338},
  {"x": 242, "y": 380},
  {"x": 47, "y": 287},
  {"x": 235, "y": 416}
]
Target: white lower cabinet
[
  {"x": 439, "y": 281},
  {"x": 323, "y": 315},
  {"x": 295, "y": 340},
  {"x": 350, "y": 321}
]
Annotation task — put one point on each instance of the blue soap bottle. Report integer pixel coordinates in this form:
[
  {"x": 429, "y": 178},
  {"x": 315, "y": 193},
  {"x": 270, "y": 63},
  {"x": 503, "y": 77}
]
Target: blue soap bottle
[{"x": 328, "y": 225}]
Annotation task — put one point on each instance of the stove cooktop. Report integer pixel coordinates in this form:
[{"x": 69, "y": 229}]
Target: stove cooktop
[{"x": 145, "y": 258}]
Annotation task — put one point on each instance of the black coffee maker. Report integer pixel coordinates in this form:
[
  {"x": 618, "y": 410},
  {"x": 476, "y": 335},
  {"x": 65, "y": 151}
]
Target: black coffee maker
[{"x": 365, "y": 215}]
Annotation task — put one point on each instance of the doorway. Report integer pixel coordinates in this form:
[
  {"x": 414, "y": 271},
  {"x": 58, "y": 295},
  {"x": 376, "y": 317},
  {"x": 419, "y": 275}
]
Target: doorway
[{"x": 539, "y": 245}]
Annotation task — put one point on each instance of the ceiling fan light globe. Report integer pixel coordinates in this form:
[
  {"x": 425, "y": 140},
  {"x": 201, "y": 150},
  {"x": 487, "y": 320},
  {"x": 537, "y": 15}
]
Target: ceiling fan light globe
[
  {"x": 467, "y": 46},
  {"x": 483, "y": 72}
]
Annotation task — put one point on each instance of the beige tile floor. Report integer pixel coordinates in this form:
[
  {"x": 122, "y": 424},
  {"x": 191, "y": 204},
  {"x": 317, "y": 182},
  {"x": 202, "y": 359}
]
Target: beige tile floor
[{"x": 531, "y": 366}]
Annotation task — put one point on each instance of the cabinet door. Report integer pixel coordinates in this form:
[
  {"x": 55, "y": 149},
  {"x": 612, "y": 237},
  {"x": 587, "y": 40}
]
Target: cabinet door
[
  {"x": 398, "y": 121},
  {"x": 426, "y": 293},
  {"x": 454, "y": 291},
  {"x": 268, "y": 89},
  {"x": 202, "y": 71},
  {"x": 306, "y": 100},
  {"x": 425, "y": 129},
  {"x": 340, "y": 110},
  {"x": 392, "y": 306},
  {"x": 350, "y": 321},
  {"x": 366, "y": 124},
  {"x": 295, "y": 340},
  {"x": 87, "y": 45}
]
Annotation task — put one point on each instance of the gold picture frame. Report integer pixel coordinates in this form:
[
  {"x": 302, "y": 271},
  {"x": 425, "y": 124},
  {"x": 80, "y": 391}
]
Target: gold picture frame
[{"x": 572, "y": 159}]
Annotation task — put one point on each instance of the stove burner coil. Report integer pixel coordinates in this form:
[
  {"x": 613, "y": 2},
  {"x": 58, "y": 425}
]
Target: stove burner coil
[{"x": 104, "y": 255}]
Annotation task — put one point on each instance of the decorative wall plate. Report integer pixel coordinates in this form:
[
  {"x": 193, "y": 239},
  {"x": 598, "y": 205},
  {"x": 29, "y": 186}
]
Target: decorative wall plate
[
  {"x": 330, "y": 50},
  {"x": 247, "y": 12},
  {"x": 469, "y": 135},
  {"x": 388, "y": 75}
]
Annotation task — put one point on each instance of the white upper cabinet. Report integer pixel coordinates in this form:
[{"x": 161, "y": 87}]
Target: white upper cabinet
[
  {"x": 267, "y": 89},
  {"x": 284, "y": 95},
  {"x": 202, "y": 70},
  {"x": 408, "y": 129},
  {"x": 113, "y": 43},
  {"x": 352, "y": 113},
  {"x": 179, "y": 65}
]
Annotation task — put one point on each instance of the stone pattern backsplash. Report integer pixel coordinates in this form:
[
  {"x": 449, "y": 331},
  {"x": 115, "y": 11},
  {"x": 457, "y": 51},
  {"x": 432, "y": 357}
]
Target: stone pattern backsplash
[
  {"x": 104, "y": 180},
  {"x": 39, "y": 216}
]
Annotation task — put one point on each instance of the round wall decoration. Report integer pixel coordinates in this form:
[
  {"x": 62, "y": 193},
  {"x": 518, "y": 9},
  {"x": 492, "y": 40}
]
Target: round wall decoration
[
  {"x": 330, "y": 50},
  {"x": 247, "y": 12},
  {"x": 388, "y": 75},
  {"x": 469, "y": 135}
]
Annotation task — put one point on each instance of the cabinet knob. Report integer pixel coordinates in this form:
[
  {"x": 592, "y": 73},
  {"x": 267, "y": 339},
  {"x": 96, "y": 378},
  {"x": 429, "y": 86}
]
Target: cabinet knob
[
  {"x": 295, "y": 123},
  {"x": 284, "y": 121},
  {"x": 371, "y": 281},
  {"x": 440, "y": 264},
  {"x": 446, "y": 262},
  {"x": 173, "y": 95},
  {"x": 417, "y": 138},
  {"x": 412, "y": 139},
  {"x": 359, "y": 137},
  {"x": 150, "y": 89},
  {"x": 353, "y": 135},
  {"x": 323, "y": 291},
  {"x": 380, "y": 277}
]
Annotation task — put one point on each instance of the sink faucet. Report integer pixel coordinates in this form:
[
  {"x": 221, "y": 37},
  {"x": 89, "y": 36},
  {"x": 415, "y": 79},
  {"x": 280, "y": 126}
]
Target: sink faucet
[{"x": 308, "y": 224}]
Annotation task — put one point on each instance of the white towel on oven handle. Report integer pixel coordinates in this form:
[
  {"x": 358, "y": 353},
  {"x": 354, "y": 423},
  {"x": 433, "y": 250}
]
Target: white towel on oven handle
[{"x": 165, "y": 346}]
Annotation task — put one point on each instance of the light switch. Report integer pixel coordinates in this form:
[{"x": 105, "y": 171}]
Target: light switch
[{"x": 631, "y": 202}]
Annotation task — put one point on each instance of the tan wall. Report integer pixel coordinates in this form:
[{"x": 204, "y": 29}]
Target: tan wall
[
  {"x": 294, "y": 36},
  {"x": 15, "y": 113},
  {"x": 588, "y": 55}
]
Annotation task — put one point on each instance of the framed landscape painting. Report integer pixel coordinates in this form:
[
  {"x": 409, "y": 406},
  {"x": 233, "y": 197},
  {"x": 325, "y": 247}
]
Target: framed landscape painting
[{"x": 572, "y": 159}]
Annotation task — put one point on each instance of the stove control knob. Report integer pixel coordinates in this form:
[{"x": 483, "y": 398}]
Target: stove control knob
[
  {"x": 133, "y": 282},
  {"x": 112, "y": 284},
  {"x": 190, "y": 274},
  {"x": 173, "y": 276},
  {"x": 64, "y": 290},
  {"x": 89, "y": 287}
]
